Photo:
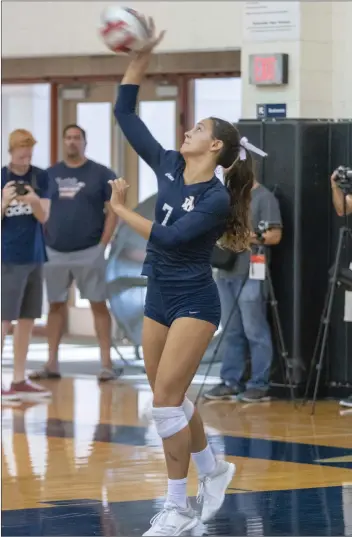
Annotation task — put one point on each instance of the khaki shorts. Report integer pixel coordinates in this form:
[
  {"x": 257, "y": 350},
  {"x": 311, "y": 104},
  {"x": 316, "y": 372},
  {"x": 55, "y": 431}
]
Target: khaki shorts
[{"x": 85, "y": 267}]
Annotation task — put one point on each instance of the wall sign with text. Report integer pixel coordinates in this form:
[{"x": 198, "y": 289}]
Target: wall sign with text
[
  {"x": 271, "y": 21},
  {"x": 268, "y": 69},
  {"x": 277, "y": 111}
]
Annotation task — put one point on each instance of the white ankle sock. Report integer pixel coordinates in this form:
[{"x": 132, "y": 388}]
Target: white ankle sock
[
  {"x": 177, "y": 492},
  {"x": 205, "y": 461}
]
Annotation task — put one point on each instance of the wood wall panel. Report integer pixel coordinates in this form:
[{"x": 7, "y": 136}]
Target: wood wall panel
[{"x": 58, "y": 69}]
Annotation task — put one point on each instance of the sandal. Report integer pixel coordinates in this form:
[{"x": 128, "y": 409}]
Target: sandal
[
  {"x": 44, "y": 374},
  {"x": 105, "y": 374}
]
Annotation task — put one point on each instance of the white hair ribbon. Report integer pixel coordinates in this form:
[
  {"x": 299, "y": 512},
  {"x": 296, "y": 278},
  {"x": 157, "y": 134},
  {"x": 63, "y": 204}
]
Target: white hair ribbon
[{"x": 245, "y": 145}]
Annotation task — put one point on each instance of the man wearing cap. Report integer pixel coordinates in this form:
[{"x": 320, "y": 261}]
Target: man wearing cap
[{"x": 25, "y": 207}]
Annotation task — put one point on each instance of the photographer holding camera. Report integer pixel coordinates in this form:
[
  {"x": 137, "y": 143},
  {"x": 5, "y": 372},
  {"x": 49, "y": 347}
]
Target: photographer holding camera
[
  {"x": 341, "y": 181},
  {"x": 25, "y": 206},
  {"x": 342, "y": 202},
  {"x": 244, "y": 305}
]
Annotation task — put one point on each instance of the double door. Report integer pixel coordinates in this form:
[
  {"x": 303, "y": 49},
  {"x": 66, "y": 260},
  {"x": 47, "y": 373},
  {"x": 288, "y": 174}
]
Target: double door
[{"x": 159, "y": 108}]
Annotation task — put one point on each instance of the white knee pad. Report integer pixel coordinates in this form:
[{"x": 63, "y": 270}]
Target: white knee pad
[
  {"x": 169, "y": 420},
  {"x": 188, "y": 408}
]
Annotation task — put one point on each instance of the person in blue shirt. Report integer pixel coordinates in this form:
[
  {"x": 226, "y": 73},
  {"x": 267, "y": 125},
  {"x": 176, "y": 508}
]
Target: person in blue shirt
[
  {"x": 80, "y": 227},
  {"x": 25, "y": 207},
  {"x": 194, "y": 210}
]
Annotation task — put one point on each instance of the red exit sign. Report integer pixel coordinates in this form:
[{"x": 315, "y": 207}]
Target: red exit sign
[{"x": 268, "y": 69}]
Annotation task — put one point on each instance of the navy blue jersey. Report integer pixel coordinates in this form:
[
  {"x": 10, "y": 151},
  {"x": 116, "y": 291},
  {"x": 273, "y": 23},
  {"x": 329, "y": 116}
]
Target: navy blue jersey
[
  {"x": 77, "y": 208},
  {"x": 189, "y": 219},
  {"x": 22, "y": 240}
]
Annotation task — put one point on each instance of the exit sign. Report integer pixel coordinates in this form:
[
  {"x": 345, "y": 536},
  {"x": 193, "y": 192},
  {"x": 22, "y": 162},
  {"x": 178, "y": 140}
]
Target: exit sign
[{"x": 268, "y": 69}]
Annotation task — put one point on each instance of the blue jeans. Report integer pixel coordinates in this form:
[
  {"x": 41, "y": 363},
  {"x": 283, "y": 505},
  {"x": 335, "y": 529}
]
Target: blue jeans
[{"x": 248, "y": 330}]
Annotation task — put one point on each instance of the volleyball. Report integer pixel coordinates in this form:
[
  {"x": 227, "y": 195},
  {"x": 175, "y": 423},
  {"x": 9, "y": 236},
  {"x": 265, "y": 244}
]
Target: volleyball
[{"x": 123, "y": 30}]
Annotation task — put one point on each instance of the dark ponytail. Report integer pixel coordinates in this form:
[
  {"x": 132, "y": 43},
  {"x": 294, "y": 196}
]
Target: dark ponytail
[{"x": 239, "y": 179}]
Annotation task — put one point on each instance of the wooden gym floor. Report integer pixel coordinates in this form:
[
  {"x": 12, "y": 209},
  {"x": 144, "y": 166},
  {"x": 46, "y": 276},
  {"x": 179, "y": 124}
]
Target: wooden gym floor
[{"x": 89, "y": 463}]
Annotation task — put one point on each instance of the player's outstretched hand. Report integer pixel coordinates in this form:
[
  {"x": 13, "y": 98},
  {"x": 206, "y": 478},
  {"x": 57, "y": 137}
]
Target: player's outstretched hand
[
  {"x": 118, "y": 192},
  {"x": 154, "y": 37}
]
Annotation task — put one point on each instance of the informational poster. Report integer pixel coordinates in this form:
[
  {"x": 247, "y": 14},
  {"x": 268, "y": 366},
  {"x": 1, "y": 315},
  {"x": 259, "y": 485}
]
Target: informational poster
[{"x": 271, "y": 21}]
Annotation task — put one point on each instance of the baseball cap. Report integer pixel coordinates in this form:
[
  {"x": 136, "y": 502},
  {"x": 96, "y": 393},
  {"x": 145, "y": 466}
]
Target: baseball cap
[{"x": 21, "y": 138}]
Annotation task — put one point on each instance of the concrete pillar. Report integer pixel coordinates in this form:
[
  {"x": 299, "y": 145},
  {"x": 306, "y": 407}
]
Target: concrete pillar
[
  {"x": 317, "y": 38},
  {"x": 342, "y": 59}
]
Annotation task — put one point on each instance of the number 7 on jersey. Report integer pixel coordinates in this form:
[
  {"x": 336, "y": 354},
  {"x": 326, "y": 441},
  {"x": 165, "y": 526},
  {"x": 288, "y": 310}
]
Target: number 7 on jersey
[{"x": 168, "y": 210}]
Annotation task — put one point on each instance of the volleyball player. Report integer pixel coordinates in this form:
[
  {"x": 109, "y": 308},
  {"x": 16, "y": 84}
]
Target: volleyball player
[{"x": 182, "y": 311}]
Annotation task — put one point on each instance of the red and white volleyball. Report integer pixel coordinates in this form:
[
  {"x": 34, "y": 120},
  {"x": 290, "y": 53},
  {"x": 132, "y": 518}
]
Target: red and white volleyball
[{"x": 123, "y": 29}]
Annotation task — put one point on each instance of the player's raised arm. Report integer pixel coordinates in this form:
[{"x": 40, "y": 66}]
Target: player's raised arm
[{"x": 136, "y": 132}]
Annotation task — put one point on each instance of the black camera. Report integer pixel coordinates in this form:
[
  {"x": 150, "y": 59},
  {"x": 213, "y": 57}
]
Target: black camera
[
  {"x": 21, "y": 188},
  {"x": 261, "y": 229},
  {"x": 344, "y": 179}
]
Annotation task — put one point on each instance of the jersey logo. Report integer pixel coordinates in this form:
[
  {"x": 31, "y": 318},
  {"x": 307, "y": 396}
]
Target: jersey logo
[
  {"x": 169, "y": 176},
  {"x": 69, "y": 187},
  {"x": 18, "y": 208},
  {"x": 188, "y": 204}
]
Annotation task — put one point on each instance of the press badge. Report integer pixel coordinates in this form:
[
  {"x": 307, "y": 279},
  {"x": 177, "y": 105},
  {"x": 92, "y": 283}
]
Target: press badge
[{"x": 257, "y": 267}]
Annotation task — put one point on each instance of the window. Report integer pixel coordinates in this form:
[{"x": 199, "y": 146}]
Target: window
[
  {"x": 27, "y": 107},
  {"x": 160, "y": 118},
  {"x": 220, "y": 97},
  {"x": 96, "y": 120}
]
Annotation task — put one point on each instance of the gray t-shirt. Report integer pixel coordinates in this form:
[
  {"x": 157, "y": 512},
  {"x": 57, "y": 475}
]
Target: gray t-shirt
[{"x": 264, "y": 208}]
